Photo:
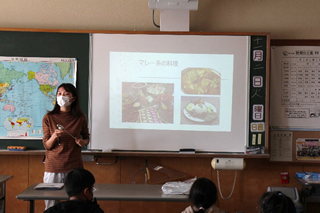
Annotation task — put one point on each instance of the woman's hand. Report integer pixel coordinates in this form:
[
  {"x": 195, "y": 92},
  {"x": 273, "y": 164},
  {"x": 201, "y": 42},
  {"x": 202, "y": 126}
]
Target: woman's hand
[
  {"x": 80, "y": 142},
  {"x": 54, "y": 139},
  {"x": 57, "y": 133}
]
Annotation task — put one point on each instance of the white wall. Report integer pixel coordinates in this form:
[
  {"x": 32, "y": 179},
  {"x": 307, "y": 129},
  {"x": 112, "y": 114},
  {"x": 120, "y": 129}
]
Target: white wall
[{"x": 284, "y": 19}]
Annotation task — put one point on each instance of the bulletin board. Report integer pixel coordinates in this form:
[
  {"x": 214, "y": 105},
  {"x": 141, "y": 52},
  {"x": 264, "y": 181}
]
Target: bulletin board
[
  {"x": 295, "y": 88},
  {"x": 294, "y": 100}
]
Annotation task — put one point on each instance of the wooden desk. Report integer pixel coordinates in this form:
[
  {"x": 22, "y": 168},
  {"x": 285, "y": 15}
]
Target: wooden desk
[
  {"x": 115, "y": 192},
  {"x": 3, "y": 180}
]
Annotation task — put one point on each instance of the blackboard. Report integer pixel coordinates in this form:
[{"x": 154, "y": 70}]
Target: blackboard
[
  {"x": 76, "y": 44},
  {"x": 49, "y": 44}
]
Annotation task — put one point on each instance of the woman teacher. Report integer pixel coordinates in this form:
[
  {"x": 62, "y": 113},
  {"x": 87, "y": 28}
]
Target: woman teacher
[{"x": 63, "y": 144}]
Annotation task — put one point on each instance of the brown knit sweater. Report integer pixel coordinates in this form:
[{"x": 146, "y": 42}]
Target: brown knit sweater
[{"x": 61, "y": 158}]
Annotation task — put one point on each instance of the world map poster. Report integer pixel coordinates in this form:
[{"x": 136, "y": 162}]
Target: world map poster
[{"x": 28, "y": 88}]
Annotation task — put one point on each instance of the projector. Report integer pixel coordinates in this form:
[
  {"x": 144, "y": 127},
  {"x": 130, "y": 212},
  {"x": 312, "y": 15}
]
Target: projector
[{"x": 173, "y": 4}]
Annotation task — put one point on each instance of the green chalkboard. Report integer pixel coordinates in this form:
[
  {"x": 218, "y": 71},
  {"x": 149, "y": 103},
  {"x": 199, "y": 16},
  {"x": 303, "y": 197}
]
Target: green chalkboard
[{"x": 49, "y": 44}]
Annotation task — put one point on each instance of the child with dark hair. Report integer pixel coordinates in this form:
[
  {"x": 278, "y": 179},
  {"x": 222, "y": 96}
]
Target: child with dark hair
[
  {"x": 271, "y": 202},
  {"x": 203, "y": 195},
  {"x": 79, "y": 187}
]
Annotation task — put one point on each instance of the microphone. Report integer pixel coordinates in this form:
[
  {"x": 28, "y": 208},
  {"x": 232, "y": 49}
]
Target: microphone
[{"x": 61, "y": 128}]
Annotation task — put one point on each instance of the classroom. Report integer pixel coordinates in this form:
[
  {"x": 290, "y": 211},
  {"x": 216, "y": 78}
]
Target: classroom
[{"x": 281, "y": 20}]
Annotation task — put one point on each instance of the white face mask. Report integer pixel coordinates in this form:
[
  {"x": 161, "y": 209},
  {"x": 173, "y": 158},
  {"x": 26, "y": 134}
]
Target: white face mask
[{"x": 63, "y": 101}]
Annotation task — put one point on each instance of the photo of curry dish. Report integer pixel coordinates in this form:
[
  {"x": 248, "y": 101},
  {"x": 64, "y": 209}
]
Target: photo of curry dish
[{"x": 200, "y": 81}]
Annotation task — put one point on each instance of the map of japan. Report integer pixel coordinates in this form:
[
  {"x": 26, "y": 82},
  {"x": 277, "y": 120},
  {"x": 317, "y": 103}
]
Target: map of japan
[{"x": 28, "y": 88}]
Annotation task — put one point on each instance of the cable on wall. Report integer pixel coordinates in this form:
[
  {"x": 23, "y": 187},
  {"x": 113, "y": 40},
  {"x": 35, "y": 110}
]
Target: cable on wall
[
  {"x": 234, "y": 184},
  {"x": 153, "y": 20}
]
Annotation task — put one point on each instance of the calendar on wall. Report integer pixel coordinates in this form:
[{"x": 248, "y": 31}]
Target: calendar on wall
[{"x": 295, "y": 87}]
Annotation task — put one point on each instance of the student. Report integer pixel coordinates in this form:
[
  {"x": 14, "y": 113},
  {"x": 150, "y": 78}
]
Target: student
[
  {"x": 63, "y": 146},
  {"x": 203, "y": 195},
  {"x": 271, "y": 202},
  {"x": 79, "y": 187}
]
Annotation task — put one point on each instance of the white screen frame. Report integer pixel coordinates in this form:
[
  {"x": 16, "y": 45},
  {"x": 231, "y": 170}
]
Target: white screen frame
[{"x": 102, "y": 137}]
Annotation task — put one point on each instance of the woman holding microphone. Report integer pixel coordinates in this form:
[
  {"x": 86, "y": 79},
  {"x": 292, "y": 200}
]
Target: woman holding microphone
[{"x": 65, "y": 131}]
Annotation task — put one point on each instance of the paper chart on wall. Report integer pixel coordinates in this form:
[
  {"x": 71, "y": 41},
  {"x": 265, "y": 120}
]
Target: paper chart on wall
[
  {"x": 295, "y": 88},
  {"x": 281, "y": 146}
]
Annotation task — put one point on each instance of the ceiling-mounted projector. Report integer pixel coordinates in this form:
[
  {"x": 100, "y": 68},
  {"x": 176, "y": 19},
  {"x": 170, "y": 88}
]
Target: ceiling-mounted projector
[{"x": 173, "y": 4}]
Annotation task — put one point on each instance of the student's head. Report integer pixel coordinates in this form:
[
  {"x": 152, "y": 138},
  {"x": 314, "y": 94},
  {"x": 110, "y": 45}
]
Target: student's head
[
  {"x": 271, "y": 202},
  {"x": 203, "y": 194},
  {"x": 79, "y": 183},
  {"x": 68, "y": 90}
]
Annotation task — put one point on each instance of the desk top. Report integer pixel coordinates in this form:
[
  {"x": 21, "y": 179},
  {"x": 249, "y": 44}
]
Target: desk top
[
  {"x": 309, "y": 182},
  {"x": 4, "y": 178},
  {"x": 115, "y": 192}
]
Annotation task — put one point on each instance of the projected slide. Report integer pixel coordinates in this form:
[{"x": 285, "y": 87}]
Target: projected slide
[
  {"x": 167, "y": 92},
  {"x": 170, "y": 91}
]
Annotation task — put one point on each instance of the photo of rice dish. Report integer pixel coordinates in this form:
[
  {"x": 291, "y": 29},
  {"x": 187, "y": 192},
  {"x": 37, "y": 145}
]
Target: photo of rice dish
[{"x": 200, "y": 111}]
